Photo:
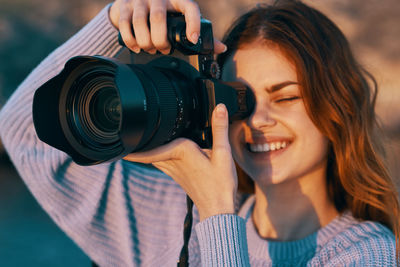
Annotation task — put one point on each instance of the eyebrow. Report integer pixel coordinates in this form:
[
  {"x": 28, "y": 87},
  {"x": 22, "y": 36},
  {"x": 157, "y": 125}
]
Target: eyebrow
[{"x": 279, "y": 86}]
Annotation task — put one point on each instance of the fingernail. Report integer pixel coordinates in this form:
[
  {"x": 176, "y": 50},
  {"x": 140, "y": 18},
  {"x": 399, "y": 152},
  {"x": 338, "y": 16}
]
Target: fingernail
[
  {"x": 136, "y": 50},
  {"x": 194, "y": 37},
  {"x": 165, "y": 51},
  {"x": 221, "y": 111},
  {"x": 225, "y": 48}
]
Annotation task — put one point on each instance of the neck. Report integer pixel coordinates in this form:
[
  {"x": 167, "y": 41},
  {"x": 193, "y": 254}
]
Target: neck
[{"x": 292, "y": 210}]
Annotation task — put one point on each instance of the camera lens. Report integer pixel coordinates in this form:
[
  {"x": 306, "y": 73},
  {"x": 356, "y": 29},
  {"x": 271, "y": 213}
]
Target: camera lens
[
  {"x": 108, "y": 109},
  {"x": 95, "y": 107},
  {"x": 105, "y": 110}
]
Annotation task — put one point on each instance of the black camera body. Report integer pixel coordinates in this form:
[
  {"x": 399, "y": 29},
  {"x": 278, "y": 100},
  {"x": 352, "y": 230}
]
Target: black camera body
[{"x": 98, "y": 109}]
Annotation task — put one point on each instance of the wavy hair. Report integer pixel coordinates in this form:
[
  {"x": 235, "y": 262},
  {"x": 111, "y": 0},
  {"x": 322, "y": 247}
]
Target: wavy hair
[{"x": 339, "y": 96}]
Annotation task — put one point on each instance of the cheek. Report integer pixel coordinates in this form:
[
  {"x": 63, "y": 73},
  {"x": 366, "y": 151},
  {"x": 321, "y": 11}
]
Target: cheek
[
  {"x": 307, "y": 127},
  {"x": 313, "y": 139}
]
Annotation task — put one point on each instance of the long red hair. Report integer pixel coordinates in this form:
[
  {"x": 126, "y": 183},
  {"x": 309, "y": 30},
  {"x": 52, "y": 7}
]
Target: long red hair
[{"x": 339, "y": 96}]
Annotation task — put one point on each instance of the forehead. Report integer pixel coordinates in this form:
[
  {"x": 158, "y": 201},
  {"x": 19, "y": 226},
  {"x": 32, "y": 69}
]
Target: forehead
[{"x": 261, "y": 62}]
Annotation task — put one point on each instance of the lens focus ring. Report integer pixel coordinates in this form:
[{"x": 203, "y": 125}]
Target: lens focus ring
[{"x": 168, "y": 104}]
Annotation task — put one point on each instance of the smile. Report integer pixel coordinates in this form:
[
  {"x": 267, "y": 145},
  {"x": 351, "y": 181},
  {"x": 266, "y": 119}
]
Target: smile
[{"x": 266, "y": 147}]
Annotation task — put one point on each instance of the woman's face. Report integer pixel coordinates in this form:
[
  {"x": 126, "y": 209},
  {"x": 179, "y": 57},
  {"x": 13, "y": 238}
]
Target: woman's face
[{"x": 278, "y": 142}]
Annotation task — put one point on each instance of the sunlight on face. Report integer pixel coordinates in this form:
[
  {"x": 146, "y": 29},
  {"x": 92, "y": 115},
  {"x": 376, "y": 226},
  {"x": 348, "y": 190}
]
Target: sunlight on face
[{"x": 278, "y": 142}]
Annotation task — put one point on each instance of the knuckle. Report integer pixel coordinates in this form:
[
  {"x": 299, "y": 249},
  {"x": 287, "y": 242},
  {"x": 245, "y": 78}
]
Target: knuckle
[
  {"x": 222, "y": 150},
  {"x": 123, "y": 14},
  {"x": 144, "y": 42},
  {"x": 191, "y": 6},
  {"x": 124, "y": 5},
  {"x": 178, "y": 152},
  {"x": 161, "y": 45},
  {"x": 124, "y": 22},
  {"x": 158, "y": 16},
  {"x": 219, "y": 127},
  {"x": 139, "y": 19},
  {"x": 140, "y": 14},
  {"x": 186, "y": 144},
  {"x": 159, "y": 41}
]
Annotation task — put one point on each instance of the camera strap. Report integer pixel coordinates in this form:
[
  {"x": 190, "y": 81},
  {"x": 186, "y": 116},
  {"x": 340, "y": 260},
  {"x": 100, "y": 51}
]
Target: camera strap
[{"x": 187, "y": 230}]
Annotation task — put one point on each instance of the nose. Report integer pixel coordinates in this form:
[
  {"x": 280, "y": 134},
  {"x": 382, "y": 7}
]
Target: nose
[{"x": 261, "y": 117}]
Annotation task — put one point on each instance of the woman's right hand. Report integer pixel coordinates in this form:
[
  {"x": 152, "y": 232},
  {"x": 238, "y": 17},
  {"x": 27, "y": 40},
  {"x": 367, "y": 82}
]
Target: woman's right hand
[{"x": 125, "y": 13}]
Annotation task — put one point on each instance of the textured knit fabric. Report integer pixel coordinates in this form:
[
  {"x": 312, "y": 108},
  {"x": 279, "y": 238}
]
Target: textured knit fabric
[{"x": 127, "y": 214}]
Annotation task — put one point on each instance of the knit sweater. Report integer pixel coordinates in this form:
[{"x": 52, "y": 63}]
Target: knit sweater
[{"x": 130, "y": 214}]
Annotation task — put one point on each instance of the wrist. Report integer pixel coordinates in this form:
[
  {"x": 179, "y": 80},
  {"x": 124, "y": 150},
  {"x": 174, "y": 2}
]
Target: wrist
[{"x": 216, "y": 209}]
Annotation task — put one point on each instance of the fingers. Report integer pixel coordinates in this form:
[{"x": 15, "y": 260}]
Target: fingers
[
  {"x": 161, "y": 153},
  {"x": 124, "y": 24},
  {"x": 174, "y": 150},
  {"x": 192, "y": 14},
  {"x": 219, "y": 47},
  {"x": 140, "y": 12},
  {"x": 221, "y": 149},
  {"x": 141, "y": 28},
  {"x": 114, "y": 13},
  {"x": 192, "y": 18},
  {"x": 136, "y": 15},
  {"x": 158, "y": 22}
]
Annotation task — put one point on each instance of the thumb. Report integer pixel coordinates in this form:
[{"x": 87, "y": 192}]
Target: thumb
[
  {"x": 220, "y": 125},
  {"x": 219, "y": 47}
]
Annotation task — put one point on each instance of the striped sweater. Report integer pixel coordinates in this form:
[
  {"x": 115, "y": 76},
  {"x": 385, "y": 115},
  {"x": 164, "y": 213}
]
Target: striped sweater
[{"x": 128, "y": 214}]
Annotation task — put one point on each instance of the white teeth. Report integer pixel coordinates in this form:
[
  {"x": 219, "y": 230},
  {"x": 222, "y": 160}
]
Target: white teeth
[
  {"x": 273, "y": 146},
  {"x": 260, "y": 148},
  {"x": 267, "y": 147},
  {"x": 278, "y": 145}
]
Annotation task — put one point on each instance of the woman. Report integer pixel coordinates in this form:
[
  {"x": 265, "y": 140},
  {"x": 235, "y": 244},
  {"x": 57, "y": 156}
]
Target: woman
[{"x": 322, "y": 195}]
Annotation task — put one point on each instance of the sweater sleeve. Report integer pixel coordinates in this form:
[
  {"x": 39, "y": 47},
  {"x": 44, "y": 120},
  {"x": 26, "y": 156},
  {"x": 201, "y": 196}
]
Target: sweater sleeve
[{"x": 223, "y": 241}]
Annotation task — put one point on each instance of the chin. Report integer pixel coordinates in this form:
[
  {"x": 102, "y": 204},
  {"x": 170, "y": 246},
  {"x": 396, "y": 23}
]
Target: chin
[{"x": 265, "y": 175}]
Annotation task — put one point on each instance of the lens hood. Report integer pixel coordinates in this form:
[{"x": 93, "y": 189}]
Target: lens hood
[{"x": 58, "y": 125}]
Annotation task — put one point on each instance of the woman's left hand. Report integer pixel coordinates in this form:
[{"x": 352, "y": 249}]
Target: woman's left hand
[{"x": 207, "y": 176}]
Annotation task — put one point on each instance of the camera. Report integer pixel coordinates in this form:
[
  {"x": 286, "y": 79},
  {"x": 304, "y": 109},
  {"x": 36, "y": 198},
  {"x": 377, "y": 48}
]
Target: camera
[{"x": 98, "y": 109}]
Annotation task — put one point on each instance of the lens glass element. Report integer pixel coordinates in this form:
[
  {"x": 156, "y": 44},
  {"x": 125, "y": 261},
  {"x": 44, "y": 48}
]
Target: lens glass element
[
  {"x": 105, "y": 109},
  {"x": 96, "y": 107}
]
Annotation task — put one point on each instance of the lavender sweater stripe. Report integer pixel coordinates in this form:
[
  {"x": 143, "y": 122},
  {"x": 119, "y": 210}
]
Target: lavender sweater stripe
[
  {"x": 226, "y": 232},
  {"x": 126, "y": 214}
]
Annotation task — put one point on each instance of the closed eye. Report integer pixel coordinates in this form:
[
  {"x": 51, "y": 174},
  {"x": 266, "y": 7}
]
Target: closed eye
[{"x": 287, "y": 99}]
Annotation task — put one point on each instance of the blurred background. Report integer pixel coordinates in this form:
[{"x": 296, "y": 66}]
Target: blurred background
[{"x": 30, "y": 30}]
